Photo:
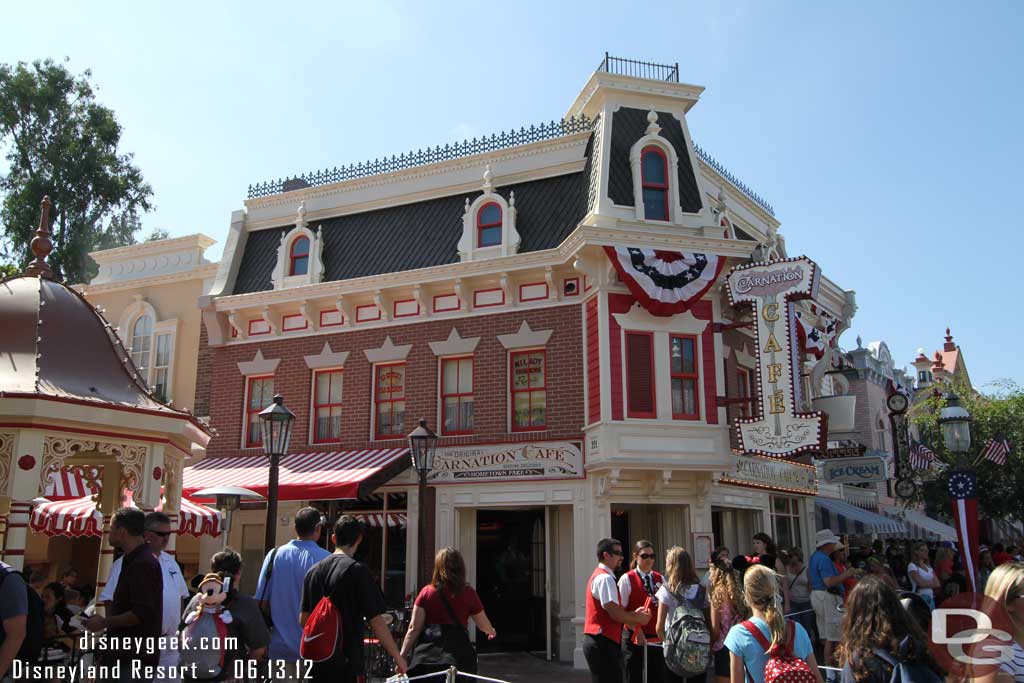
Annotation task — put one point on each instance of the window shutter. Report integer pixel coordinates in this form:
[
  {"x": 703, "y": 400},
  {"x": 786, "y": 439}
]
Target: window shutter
[{"x": 640, "y": 374}]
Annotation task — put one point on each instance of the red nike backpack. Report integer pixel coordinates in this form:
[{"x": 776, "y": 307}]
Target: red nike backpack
[{"x": 323, "y": 630}]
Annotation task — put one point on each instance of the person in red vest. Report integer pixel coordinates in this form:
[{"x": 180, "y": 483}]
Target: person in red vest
[
  {"x": 636, "y": 586},
  {"x": 605, "y": 616}
]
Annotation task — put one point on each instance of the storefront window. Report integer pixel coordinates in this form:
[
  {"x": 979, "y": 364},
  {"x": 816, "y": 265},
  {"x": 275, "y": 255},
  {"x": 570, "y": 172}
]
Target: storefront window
[
  {"x": 529, "y": 398},
  {"x": 786, "y": 522},
  {"x": 683, "y": 359}
]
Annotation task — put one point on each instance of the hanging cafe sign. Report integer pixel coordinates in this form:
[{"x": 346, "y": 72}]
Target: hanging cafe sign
[
  {"x": 512, "y": 461},
  {"x": 771, "y": 287},
  {"x": 773, "y": 474}
]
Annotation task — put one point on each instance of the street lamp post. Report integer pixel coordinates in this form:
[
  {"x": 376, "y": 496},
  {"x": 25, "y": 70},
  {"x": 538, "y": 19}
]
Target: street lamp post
[
  {"x": 423, "y": 444},
  {"x": 276, "y": 424},
  {"x": 955, "y": 422}
]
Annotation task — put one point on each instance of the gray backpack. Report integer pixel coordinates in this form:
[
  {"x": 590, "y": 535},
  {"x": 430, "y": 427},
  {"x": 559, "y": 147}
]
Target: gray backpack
[{"x": 687, "y": 638}]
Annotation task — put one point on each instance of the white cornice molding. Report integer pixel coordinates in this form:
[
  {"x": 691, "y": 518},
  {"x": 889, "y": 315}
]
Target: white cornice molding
[
  {"x": 167, "y": 246},
  {"x": 258, "y": 365},
  {"x": 455, "y": 345},
  {"x": 639, "y": 319},
  {"x": 202, "y": 272},
  {"x": 326, "y": 358},
  {"x": 389, "y": 352},
  {"x": 684, "y": 93},
  {"x": 525, "y": 338}
]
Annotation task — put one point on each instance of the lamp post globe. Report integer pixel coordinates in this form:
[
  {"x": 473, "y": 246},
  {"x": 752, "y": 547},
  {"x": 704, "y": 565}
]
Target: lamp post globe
[
  {"x": 276, "y": 423},
  {"x": 422, "y": 445},
  {"x": 955, "y": 422}
]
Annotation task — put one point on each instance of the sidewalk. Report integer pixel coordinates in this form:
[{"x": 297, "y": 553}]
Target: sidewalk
[{"x": 523, "y": 667}]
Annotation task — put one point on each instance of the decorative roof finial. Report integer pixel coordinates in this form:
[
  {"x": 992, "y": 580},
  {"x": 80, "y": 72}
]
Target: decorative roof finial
[
  {"x": 300, "y": 215},
  {"x": 488, "y": 187},
  {"x": 860, "y": 342},
  {"x": 652, "y": 122},
  {"x": 41, "y": 245}
]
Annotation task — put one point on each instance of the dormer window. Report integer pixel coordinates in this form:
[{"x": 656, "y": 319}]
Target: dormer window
[
  {"x": 654, "y": 183},
  {"x": 488, "y": 225},
  {"x": 298, "y": 261}
]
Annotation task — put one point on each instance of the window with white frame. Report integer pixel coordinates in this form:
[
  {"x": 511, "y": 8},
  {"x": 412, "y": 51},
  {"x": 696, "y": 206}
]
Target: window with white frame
[
  {"x": 685, "y": 376},
  {"x": 152, "y": 351},
  {"x": 457, "y": 395},
  {"x": 389, "y": 401},
  {"x": 327, "y": 404},
  {"x": 259, "y": 392},
  {"x": 529, "y": 391},
  {"x": 786, "y": 521}
]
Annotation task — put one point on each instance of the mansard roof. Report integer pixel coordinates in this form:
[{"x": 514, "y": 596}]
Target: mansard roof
[{"x": 419, "y": 234}]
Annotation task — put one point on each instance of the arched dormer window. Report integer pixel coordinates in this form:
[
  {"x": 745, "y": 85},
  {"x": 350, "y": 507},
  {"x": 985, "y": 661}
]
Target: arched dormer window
[
  {"x": 299, "y": 255},
  {"x": 488, "y": 225},
  {"x": 654, "y": 183},
  {"x": 298, "y": 258}
]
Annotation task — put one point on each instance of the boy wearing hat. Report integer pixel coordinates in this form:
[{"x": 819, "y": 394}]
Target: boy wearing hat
[{"x": 827, "y": 590}]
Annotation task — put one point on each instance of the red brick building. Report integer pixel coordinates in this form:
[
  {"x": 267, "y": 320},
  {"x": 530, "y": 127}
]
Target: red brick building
[{"x": 476, "y": 286}]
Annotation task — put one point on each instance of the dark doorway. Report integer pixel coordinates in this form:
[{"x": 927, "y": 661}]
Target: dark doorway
[{"x": 510, "y": 578}]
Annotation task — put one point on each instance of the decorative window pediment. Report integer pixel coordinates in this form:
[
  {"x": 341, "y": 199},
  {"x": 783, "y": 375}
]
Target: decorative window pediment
[
  {"x": 259, "y": 365},
  {"x": 389, "y": 352},
  {"x": 525, "y": 338},
  {"x": 299, "y": 255},
  {"x": 455, "y": 345},
  {"x": 489, "y": 225},
  {"x": 326, "y": 358},
  {"x": 655, "y": 167}
]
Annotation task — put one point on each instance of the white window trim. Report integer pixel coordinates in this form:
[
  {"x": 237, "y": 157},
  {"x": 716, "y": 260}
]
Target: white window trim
[
  {"x": 139, "y": 308},
  {"x": 315, "y": 271},
  {"x": 245, "y": 405},
  {"x": 311, "y": 438},
  {"x": 326, "y": 359},
  {"x": 258, "y": 365},
  {"x": 454, "y": 345},
  {"x": 525, "y": 338},
  {"x": 441, "y": 358},
  {"x": 637, "y": 319},
  {"x": 653, "y": 139},
  {"x": 468, "y": 248},
  {"x": 389, "y": 352}
]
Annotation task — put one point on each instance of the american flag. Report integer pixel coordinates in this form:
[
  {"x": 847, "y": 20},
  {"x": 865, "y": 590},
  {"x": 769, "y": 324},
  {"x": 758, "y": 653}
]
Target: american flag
[
  {"x": 921, "y": 457},
  {"x": 996, "y": 450}
]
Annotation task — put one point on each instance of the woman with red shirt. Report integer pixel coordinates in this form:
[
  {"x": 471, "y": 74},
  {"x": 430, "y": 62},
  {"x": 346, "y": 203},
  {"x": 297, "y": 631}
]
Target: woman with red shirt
[{"x": 440, "y": 616}]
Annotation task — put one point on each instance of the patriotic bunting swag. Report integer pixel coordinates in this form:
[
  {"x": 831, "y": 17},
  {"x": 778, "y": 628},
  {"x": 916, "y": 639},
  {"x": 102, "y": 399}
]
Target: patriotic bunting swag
[
  {"x": 962, "y": 488},
  {"x": 665, "y": 282},
  {"x": 812, "y": 340}
]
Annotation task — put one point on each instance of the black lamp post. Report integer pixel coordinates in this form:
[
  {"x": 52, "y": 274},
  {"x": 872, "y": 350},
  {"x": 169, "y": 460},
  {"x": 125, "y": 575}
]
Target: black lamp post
[
  {"x": 423, "y": 444},
  {"x": 276, "y": 425}
]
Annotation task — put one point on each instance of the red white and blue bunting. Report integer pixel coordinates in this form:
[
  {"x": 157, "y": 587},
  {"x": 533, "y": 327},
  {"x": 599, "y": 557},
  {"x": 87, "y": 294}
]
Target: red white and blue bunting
[
  {"x": 665, "y": 282},
  {"x": 812, "y": 340}
]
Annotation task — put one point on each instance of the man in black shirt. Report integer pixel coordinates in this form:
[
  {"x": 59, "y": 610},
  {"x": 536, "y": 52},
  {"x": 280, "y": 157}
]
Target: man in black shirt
[
  {"x": 137, "y": 608},
  {"x": 358, "y": 598}
]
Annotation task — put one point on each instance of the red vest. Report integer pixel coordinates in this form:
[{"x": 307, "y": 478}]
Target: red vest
[
  {"x": 597, "y": 621},
  {"x": 638, "y": 596}
]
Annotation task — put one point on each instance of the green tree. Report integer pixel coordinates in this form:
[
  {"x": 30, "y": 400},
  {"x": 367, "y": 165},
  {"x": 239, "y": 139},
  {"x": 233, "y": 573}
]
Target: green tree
[
  {"x": 157, "y": 235},
  {"x": 996, "y": 414},
  {"x": 60, "y": 142}
]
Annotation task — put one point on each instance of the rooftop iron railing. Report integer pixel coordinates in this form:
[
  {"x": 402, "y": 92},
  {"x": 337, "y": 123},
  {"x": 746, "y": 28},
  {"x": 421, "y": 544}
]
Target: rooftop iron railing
[
  {"x": 704, "y": 156},
  {"x": 637, "y": 69},
  {"x": 496, "y": 141}
]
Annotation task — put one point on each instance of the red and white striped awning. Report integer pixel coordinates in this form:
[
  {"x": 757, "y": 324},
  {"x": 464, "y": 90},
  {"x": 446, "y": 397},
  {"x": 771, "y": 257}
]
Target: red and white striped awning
[
  {"x": 79, "y": 517},
  {"x": 70, "y": 482},
  {"x": 377, "y": 519},
  {"x": 303, "y": 476}
]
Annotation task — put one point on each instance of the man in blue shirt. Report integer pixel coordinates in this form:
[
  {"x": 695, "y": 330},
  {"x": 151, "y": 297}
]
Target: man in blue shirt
[
  {"x": 827, "y": 590},
  {"x": 282, "y": 591}
]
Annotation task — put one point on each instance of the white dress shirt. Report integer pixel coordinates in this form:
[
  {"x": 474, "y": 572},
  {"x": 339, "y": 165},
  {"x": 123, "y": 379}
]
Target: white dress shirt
[
  {"x": 174, "y": 590},
  {"x": 603, "y": 587}
]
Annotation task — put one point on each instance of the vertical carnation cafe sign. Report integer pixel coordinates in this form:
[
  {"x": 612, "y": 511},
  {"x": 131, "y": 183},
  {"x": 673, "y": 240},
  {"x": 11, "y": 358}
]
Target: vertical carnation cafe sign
[
  {"x": 512, "y": 461},
  {"x": 770, "y": 287}
]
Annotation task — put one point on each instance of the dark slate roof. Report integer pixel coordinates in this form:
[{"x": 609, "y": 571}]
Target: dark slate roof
[
  {"x": 419, "y": 235},
  {"x": 628, "y": 126}
]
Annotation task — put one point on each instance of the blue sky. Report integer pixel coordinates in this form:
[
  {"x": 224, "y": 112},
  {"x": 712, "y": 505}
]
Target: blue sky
[{"x": 886, "y": 134}]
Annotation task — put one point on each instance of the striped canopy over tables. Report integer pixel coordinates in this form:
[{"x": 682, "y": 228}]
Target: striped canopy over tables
[
  {"x": 331, "y": 475},
  {"x": 77, "y": 517},
  {"x": 380, "y": 519},
  {"x": 72, "y": 482}
]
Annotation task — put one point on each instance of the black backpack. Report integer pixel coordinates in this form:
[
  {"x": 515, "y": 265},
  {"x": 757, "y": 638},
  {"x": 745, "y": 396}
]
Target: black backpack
[{"x": 32, "y": 646}]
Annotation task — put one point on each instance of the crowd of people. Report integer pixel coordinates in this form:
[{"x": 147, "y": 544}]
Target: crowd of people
[{"x": 860, "y": 613}]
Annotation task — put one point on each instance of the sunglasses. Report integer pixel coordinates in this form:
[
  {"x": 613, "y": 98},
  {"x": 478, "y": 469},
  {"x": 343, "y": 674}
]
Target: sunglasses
[
  {"x": 161, "y": 534},
  {"x": 646, "y": 556},
  {"x": 617, "y": 553}
]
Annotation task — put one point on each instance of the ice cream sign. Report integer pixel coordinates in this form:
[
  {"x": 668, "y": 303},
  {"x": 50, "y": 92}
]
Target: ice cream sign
[{"x": 770, "y": 287}]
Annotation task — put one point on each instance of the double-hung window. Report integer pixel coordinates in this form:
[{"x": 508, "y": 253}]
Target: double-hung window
[
  {"x": 151, "y": 351},
  {"x": 654, "y": 183},
  {"x": 389, "y": 401},
  {"x": 259, "y": 393},
  {"x": 685, "y": 377},
  {"x": 529, "y": 392},
  {"x": 457, "y": 395},
  {"x": 327, "y": 404}
]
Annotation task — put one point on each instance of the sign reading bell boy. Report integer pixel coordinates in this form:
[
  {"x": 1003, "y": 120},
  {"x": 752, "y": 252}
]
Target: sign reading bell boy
[{"x": 771, "y": 287}]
